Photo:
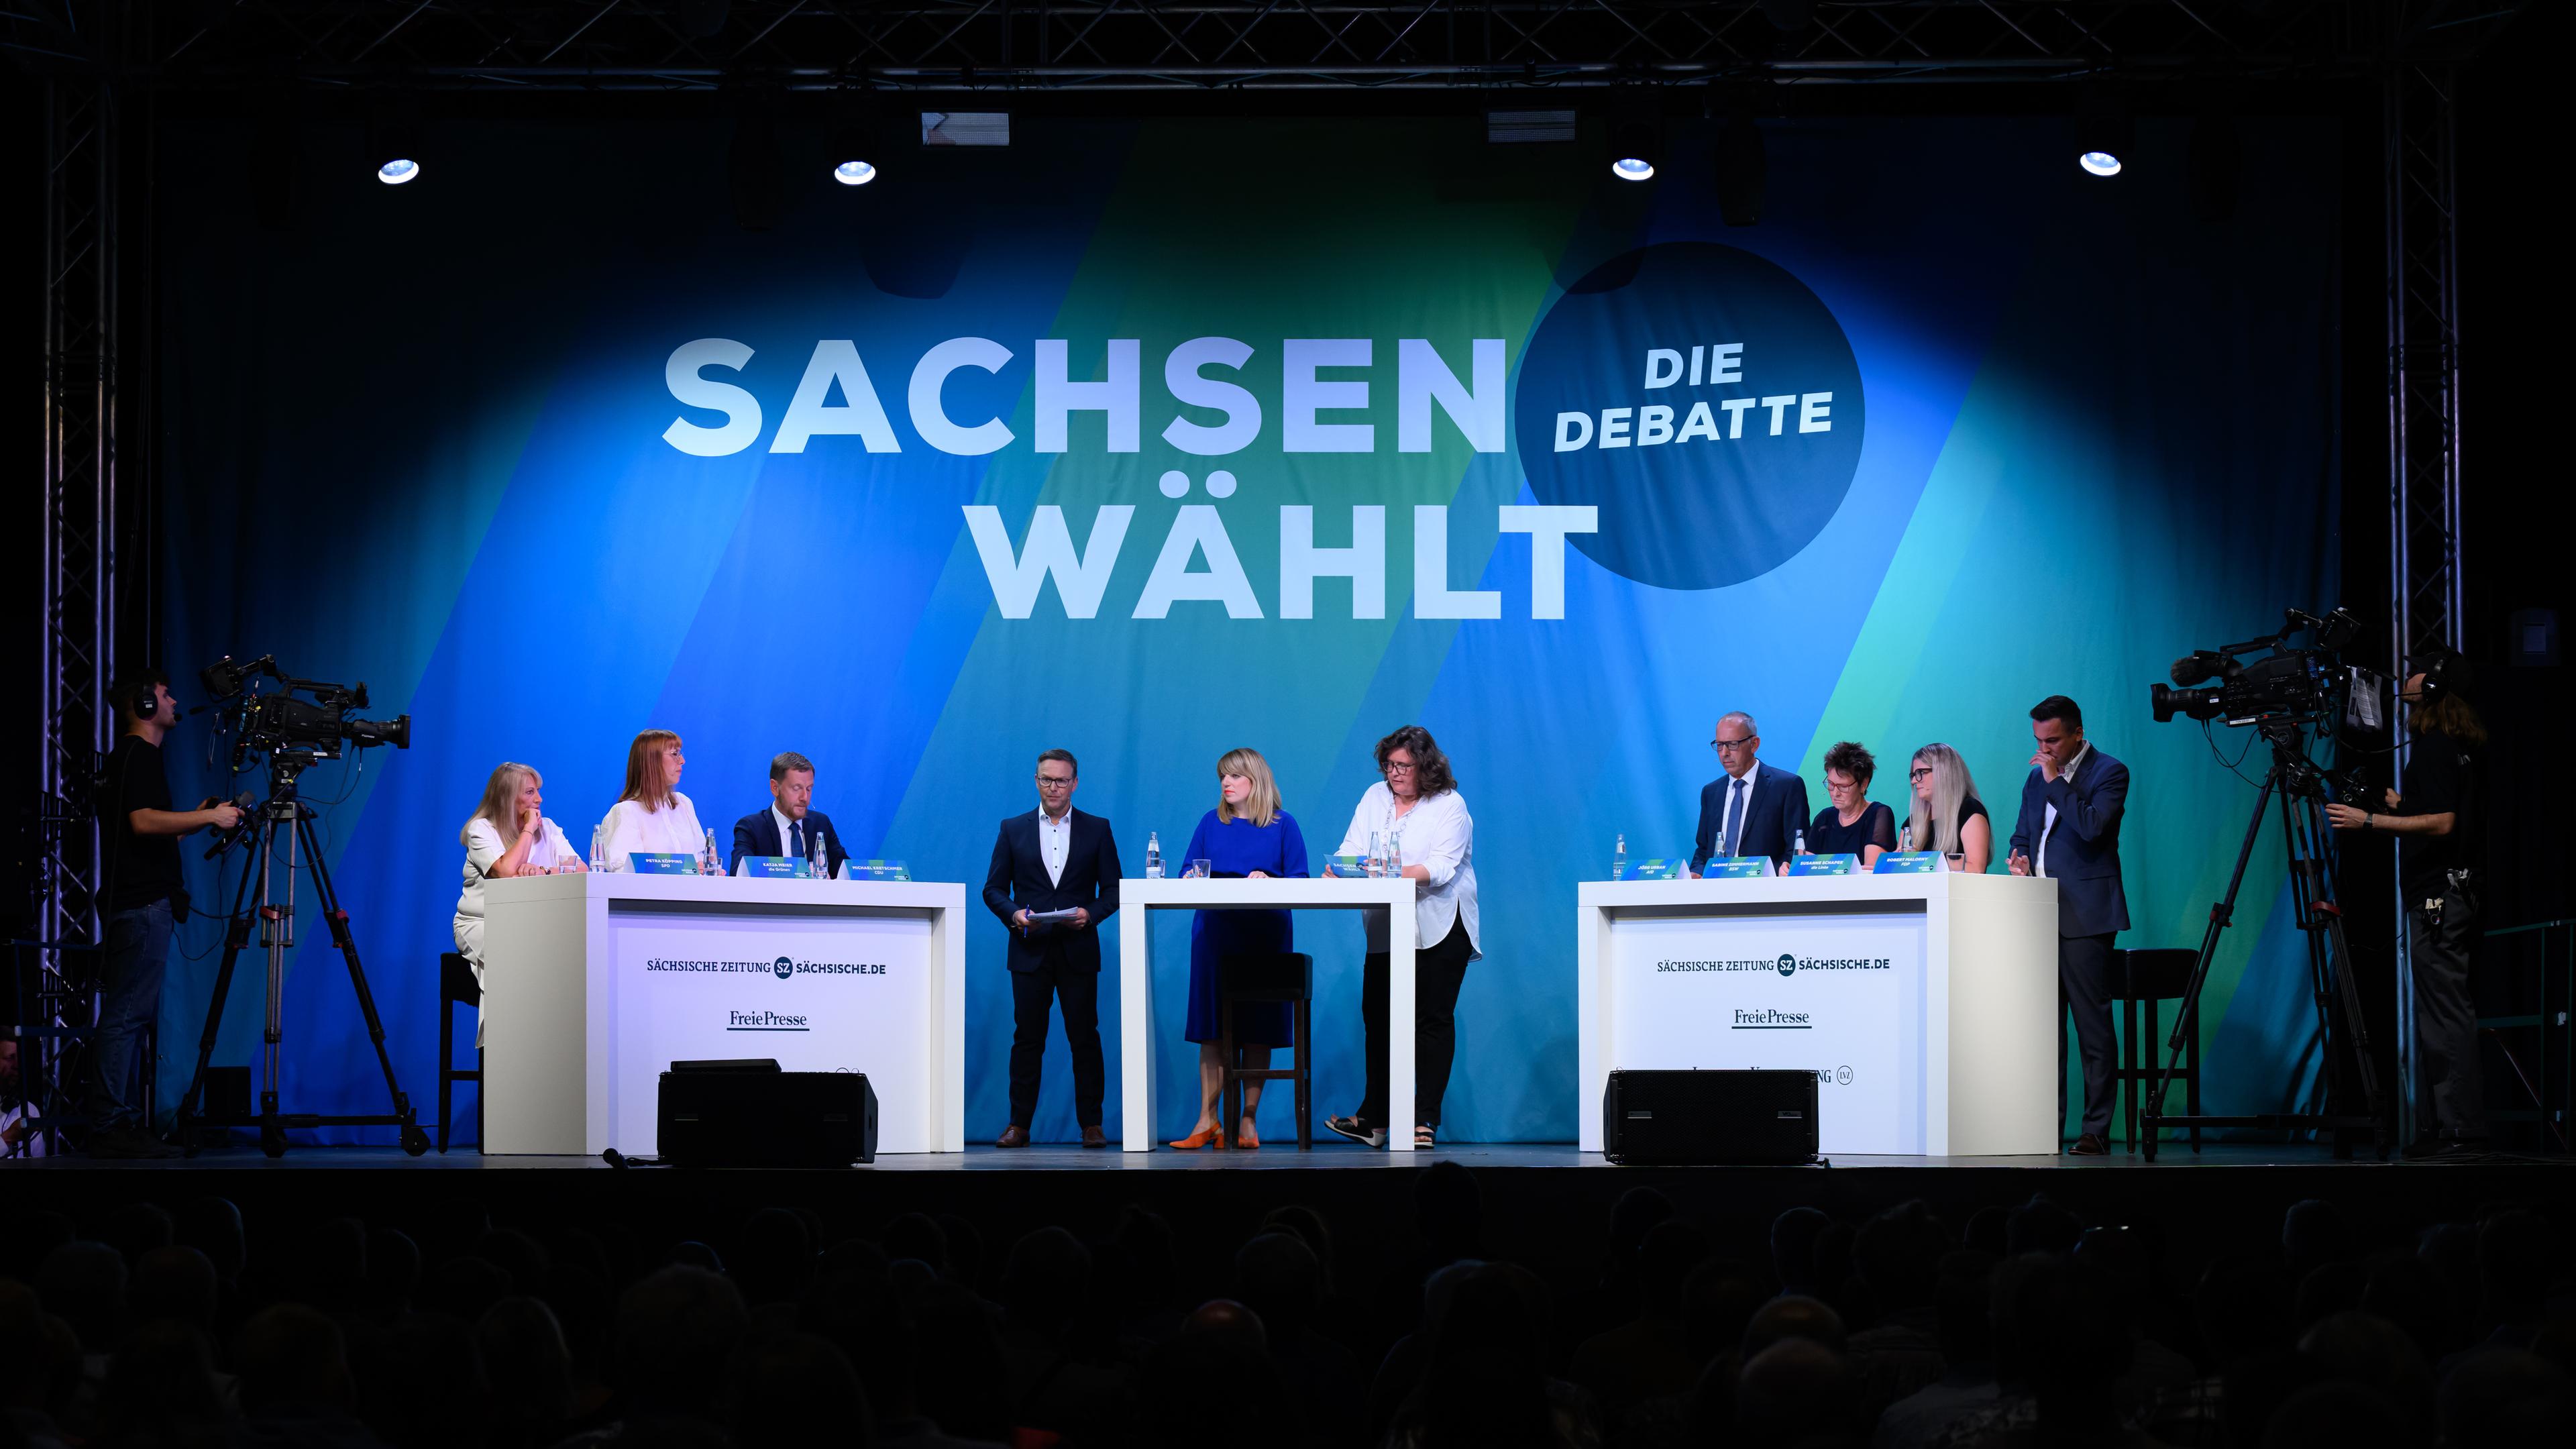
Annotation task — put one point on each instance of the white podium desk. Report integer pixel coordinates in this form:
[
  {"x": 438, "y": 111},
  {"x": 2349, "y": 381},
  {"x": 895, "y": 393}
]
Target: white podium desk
[
  {"x": 1925, "y": 1004},
  {"x": 1138, "y": 1035},
  {"x": 594, "y": 984}
]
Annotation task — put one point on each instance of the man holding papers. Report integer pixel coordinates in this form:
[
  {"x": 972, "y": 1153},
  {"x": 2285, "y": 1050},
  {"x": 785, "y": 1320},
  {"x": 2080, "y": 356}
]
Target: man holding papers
[{"x": 1053, "y": 880}]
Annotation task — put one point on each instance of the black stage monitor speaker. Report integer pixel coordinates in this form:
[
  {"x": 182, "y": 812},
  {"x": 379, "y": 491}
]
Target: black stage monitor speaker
[
  {"x": 1688, "y": 1118},
  {"x": 751, "y": 1114}
]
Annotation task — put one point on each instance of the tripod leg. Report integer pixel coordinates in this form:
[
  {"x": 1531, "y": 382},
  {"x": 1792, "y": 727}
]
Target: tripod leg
[
  {"x": 414, "y": 1141},
  {"x": 236, "y": 936},
  {"x": 2187, "y": 1015}
]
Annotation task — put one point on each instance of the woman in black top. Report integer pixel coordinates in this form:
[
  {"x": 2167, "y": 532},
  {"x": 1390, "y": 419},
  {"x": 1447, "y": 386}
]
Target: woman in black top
[
  {"x": 1948, "y": 816},
  {"x": 1852, "y": 824}
]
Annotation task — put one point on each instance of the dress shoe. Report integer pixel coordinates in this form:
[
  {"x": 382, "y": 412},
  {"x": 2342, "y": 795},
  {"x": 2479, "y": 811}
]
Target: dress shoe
[
  {"x": 1210, "y": 1135},
  {"x": 1092, "y": 1136},
  {"x": 1356, "y": 1130},
  {"x": 2090, "y": 1145},
  {"x": 1246, "y": 1138},
  {"x": 1014, "y": 1135}
]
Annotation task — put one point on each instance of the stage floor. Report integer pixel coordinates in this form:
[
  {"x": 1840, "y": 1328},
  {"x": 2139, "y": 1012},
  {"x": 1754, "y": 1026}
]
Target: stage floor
[{"x": 1324, "y": 1157}]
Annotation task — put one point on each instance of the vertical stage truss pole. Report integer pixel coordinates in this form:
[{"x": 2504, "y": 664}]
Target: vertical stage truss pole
[
  {"x": 77, "y": 532},
  {"x": 2419, "y": 148}
]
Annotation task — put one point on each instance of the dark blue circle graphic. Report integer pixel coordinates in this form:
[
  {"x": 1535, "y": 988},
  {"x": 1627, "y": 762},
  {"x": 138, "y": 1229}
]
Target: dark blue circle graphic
[{"x": 1742, "y": 449}]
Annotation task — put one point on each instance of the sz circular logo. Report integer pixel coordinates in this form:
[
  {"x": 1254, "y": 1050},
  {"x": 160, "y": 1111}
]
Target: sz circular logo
[
  {"x": 1843, "y": 1075},
  {"x": 1788, "y": 965},
  {"x": 782, "y": 968},
  {"x": 1705, "y": 400}
]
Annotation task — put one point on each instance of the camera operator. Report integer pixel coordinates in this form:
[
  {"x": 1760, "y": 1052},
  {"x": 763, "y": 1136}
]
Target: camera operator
[
  {"x": 145, "y": 901},
  {"x": 2434, "y": 815}
]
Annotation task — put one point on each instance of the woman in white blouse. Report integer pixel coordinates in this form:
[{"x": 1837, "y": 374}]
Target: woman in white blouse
[
  {"x": 1433, "y": 839},
  {"x": 508, "y": 836},
  {"x": 652, "y": 816}
]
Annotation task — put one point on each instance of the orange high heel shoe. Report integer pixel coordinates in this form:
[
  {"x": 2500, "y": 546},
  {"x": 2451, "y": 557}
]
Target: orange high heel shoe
[
  {"x": 1203, "y": 1137},
  {"x": 1246, "y": 1138}
]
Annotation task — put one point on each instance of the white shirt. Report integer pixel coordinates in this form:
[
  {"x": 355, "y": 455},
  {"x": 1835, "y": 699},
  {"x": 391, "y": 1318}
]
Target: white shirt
[
  {"x": 1440, "y": 836},
  {"x": 1732, "y": 788},
  {"x": 483, "y": 850},
  {"x": 2039, "y": 862},
  {"x": 673, "y": 829},
  {"x": 1055, "y": 844},
  {"x": 786, "y": 829}
]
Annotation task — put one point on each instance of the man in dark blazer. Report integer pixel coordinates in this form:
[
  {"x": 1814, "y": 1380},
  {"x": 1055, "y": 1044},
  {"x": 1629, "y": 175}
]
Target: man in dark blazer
[
  {"x": 1054, "y": 858},
  {"x": 1756, "y": 808},
  {"x": 2069, "y": 832},
  {"x": 791, "y": 825}
]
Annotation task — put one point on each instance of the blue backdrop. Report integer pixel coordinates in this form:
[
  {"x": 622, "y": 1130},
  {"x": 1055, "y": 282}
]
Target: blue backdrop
[{"x": 547, "y": 451}]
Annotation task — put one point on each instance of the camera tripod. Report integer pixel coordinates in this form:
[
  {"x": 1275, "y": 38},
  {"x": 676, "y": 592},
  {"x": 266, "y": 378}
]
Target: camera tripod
[
  {"x": 2300, "y": 786},
  {"x": 284, "y": 819}
]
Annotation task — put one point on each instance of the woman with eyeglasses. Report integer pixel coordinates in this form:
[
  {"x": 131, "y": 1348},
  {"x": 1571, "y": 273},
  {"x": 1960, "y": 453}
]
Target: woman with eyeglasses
[
  {"x": 1853, "y": 824},
  {"x": 1948, "y": 816},
  {"x": 1432, "y": 838}
]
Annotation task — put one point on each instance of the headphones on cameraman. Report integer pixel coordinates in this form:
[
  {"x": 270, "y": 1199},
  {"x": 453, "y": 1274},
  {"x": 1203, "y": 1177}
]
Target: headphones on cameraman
[
  {"x": 137, "y": 696},
  {"x": 2445, "y": 672}
]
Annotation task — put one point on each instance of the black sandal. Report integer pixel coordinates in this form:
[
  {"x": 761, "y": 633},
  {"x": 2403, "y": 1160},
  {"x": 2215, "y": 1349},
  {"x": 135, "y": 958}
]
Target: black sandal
[{"x": 1425, "y": 1137}]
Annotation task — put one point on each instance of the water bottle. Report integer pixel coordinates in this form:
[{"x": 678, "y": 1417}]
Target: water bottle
[
  {"x": 1153, "y": 856},
  {"x": 598, "y": 852},
  {"x": 1376, "y": 864},
  {"x": 1905, "y": 837},
  {"x": 821, "y": 859},
  {"x": 707, "y": 858},
  {"x": 1798, "y": 846},
  {"x": 1619, "y": 859}
]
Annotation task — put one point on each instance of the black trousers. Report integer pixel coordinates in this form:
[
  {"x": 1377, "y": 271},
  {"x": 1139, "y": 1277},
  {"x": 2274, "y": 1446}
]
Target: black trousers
[
  {"x": 2450, "y": 1090},
  {"x": 1079, "y": 994},
  {"x": 1438, "y": 972},
  {"x": 2084, "y": 983}
]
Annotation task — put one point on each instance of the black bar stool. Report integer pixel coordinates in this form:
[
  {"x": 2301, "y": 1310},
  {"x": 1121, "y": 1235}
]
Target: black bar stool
[
  {"x": 2143, "y": 978},
  {"x": 1288, "y": 977},
  {"x": 456, "y": 987}
]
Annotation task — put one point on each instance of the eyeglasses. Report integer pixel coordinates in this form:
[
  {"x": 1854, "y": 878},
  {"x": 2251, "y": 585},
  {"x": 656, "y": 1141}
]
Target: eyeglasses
[
  {"x": 1918, "y": 772},
  {"x": 1055, "y": 782},
  {"x": 1722, "y": 746},
  {"x": 1394, "y": 768}
]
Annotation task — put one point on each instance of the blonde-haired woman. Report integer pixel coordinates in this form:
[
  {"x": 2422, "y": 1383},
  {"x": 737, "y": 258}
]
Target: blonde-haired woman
[
  {"x": 1948, "y": 816},
  {"x": 652, "y": 817},
  {"x": 508, "y": 835},
  {"x": 1246, "y": 835}
]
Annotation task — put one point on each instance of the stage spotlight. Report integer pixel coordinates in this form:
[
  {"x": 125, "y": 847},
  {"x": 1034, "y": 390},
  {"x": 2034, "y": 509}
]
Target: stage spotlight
[
  {"x": 394, "y": 142},
  {"x": 1636, "y": 138},
  {"x": 1742, "y": 171},
  {"x": 853, "y": 156},
  {"x": 2103, "y": 135}
]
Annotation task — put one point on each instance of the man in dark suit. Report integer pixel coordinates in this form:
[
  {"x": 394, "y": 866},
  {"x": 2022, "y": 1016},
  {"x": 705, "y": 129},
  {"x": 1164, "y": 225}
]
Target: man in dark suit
[
  {"x": 791, "y": 825},
  {"x": 2069, "y": 832},
  {"x": 1754, "y": 808},
  {"x": 1055, "y": 858}
]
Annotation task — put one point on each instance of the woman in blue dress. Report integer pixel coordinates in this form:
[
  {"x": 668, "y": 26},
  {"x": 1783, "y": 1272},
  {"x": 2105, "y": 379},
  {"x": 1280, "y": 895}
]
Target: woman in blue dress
[{"x": 1247, "y": 835}]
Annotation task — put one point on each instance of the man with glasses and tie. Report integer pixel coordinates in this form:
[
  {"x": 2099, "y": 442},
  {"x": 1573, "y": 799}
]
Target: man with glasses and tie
[
  {"x": 1752, "y": 808},
  {"x": 1053, "y": 880},
  {"x": 791, "y": 826}
]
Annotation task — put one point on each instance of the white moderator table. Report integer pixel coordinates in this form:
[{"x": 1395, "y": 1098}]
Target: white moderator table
[
  {"x": 594, "y": 984},
  {"x": 1925, "y": 1004},
  {"x": 1137, "y": 1035}
]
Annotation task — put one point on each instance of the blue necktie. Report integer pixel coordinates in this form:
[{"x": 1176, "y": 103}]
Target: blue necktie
[
  {"x": 796, "y": 839},
  {"x": 1735, "y": 818}
]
